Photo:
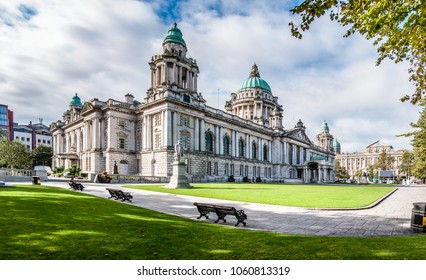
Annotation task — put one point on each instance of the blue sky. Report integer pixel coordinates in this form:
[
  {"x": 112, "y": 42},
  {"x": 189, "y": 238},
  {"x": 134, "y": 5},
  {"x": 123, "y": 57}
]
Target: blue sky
[{"x": 52, "y": 49}]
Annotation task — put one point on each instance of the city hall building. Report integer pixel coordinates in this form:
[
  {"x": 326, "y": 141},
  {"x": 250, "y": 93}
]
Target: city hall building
[{"x": 246, "y": 139}]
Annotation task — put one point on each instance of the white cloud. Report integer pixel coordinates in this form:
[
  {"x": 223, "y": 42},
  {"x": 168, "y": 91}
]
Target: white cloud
[{"x": 102, "y": 48}]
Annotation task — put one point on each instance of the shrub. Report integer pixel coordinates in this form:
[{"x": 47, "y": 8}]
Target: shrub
[
  {"x": 246, "y": 180},
  {"x": 258, "y": 180},
  {"x": 231, "y": 178},
  {"x": 104, "y": 177},
  {"x": 58, "y": 169}
]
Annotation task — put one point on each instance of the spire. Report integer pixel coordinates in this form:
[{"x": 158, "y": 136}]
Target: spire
[{"x": 254, "y": 71}]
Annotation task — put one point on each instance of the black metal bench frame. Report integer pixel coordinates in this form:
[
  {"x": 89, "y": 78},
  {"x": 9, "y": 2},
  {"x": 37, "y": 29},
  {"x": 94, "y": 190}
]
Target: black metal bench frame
[
  {"x": 119, "y": 194},
  {"x": 75, "y": 186},
  {"x": 221, "y": 211}
]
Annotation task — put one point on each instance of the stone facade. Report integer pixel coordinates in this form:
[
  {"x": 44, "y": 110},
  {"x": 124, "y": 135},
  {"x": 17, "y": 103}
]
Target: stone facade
[
  {"x": 353, "y": 162},
  {"x": 247, "y": 139}
]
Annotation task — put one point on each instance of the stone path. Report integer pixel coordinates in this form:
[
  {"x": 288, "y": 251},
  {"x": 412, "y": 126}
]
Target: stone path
[{"x": 392, "y": 217}]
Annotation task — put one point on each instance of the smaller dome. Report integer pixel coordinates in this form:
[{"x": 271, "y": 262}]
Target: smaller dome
[
  {"x": 336, "y": 144},
  {"x": 76, "y": 102},
  {"x": 175, "y": 35},
  {"x": 324, "y": 126},
  {"x": 254, "y": 81}
]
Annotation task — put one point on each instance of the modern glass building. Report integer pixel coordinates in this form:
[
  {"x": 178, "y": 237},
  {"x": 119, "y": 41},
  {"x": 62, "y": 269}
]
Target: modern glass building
[{"x": 6, "y": 122}]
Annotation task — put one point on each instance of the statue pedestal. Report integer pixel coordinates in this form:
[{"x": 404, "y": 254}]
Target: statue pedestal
[{"x": 179, "y": 179}]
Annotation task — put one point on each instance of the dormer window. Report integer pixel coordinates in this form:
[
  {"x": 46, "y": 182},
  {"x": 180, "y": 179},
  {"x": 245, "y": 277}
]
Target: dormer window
[{"x": 186, "y": 98}]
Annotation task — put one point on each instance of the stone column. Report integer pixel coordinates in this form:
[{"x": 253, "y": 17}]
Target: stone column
[
  {"x": 168, "y": 120},
  {"x": 196, "y": 134},
  {"x": 270, "y": 151},
  {"x": 202, "y": 136},
  {"x": 175, "y": 130},
  {"x": 236, "y": 144},
  {"x": 248, "y": 148}
]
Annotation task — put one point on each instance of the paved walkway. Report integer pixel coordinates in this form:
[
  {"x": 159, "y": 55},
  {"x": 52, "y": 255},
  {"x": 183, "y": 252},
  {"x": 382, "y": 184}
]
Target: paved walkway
[{"x": 392, "y": 217}]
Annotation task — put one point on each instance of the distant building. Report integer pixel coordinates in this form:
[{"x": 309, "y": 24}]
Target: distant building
[
  {"x": 6, "y": 121},
  {"x": 33, "y": 135},
  {"x": 353, "y": 162}
]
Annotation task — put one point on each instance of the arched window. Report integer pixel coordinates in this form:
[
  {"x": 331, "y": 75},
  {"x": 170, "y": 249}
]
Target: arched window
[
  {"x": 241, "y": 146},
  {"x": 265, "y": 152},
  {"x": 209, "y": 141},
  {"x": 226, "y": 146},
  {"x": 254, "y": 150}
]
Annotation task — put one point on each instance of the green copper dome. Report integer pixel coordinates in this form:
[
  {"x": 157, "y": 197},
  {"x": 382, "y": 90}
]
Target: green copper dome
[
  {"x": 175, "y": 35},
  {"x": 324, "y": 126},
  {"x": 254, "y": 81},
  {"x": 336, "y": 144},
  {"x": 76, "y": 102}
]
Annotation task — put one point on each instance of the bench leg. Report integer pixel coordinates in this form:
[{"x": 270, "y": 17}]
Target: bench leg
[
  {"x": 203, "y": 213},
  {"x": 220, "y": 217},
  {"x": 241, "y": 216}
]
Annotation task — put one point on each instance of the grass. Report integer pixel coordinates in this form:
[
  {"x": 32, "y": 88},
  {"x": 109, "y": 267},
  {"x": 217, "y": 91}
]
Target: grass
[
  {"x": 310, "y": 196},
  {"x": 58, "y": 224}
]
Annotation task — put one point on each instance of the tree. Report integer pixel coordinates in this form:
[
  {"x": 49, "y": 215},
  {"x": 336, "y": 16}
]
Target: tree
[
  {"x": 385, "y": 161},
  {"x": 340, "y": 171},
  {"x": 407, "y": 163},
  {"x": 14, "y": 154},
  {"x": 419, "y": 143},
  {"x": 42, "y": 155},
  {"x": 358, "y": 173},
  {"x": 397, "y": 28},
  {"x": 370, "y": 171}
]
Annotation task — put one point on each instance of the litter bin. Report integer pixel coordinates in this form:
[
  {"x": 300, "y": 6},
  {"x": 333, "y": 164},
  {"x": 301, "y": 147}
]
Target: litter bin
[
  {"x": 36, "y": 180},
  {"x": 418, "y": 217}
]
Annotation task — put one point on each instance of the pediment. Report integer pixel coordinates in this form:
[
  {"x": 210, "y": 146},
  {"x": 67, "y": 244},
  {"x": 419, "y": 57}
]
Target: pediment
[
  {"x": 299, "y": 134},
  {"x": 87, "y": 107}
]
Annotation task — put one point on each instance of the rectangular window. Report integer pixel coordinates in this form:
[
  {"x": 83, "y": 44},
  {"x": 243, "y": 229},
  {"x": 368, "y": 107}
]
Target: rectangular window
[
  {"x": 28, "y": 139},
  {"x": 209, "y": 168},
  {"x": 122, "y": 143},
  {"x": 157, "y": 120},
  {"x": 123, "y": 124},
  {"x": 38, "y": 140},
  {"x": 44, "y": 141},
  {"x": 184, "y": 120},
  {"x": 157, "y": 141}
]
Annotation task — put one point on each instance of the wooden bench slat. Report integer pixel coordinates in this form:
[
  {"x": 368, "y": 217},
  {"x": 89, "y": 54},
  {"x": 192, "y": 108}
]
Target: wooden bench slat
[
  {"x": 221, "y": 211},
  {"x": 119, "y": 194},
  {"x": 75, "y": 186}
]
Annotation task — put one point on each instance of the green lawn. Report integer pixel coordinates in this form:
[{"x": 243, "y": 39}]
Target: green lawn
[
  {"x": 40, "y": 222},
  {"x": 311, "y": 196}
]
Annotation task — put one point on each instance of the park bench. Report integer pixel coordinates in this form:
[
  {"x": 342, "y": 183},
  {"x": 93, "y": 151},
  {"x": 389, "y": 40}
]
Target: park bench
[
  {"x": 221, "y": 211},
  {"x": 76, "y": 186},
  {"x": 119, "y": 194}
]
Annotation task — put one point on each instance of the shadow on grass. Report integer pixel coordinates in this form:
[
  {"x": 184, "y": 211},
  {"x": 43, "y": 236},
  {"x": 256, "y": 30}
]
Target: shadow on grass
[{"x": 52, "y": 223}]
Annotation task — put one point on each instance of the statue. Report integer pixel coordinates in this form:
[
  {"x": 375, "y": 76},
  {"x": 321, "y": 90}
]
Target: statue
[
  {"x": 115, "y": 167},
  {"x": 178, "y": 151}
]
